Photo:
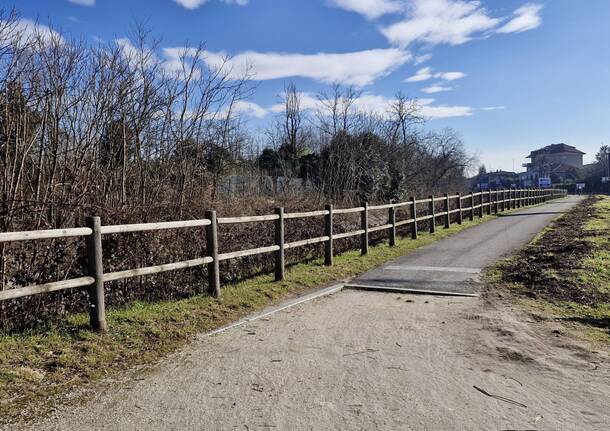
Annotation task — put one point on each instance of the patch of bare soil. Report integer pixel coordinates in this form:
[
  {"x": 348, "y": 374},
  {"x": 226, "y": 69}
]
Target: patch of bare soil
[{"x": 546, "y": 268}]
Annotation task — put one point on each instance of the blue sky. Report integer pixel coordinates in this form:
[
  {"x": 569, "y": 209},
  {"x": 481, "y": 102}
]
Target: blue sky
[{"x": 509, "y": 75}]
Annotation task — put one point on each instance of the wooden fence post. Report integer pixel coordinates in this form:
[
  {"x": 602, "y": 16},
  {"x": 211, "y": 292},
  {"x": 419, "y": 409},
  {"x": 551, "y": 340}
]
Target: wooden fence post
[
  {"x": 481, "y": 202},
  {"x": 211, "y": 236},
  {"x": 414, "y": 217},
  {"x": 392, "y": 221},
  {"x": 471, "y": 213},
  {"x": 279, "y": 241},
  {"x": 459, "y": 207},
  {"x": 364, "y": 225},
  {"x": 489, "y": 202},
  {"x": 97, "y": 310},
  {"x": 328, "y": 231},
  {"x": 503, "y": 200},
  {"x": 447, "y": 212},
  {"x": 432, "y": 213}
]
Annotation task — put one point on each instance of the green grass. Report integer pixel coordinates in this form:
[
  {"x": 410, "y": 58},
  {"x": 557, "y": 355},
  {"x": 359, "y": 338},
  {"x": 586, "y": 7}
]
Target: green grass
[
  {"x": 593, "y": 274},
  {"x": 596, "y": 268},
  {"x": 46, "y": 362}
]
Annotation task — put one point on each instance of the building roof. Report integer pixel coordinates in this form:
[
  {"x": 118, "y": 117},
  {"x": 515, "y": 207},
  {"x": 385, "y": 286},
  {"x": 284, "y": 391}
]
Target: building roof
[{"x": 554, "y": 149}]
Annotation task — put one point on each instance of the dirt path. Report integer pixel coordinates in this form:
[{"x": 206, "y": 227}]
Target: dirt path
[{"x": 370, "y": 361}]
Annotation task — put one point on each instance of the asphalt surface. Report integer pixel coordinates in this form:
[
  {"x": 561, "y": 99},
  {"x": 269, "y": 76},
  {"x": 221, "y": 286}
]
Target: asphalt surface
[{"x": 453, "y": 265}]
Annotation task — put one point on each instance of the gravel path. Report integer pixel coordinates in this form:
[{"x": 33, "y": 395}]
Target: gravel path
[{"x": 365, "y": 361}]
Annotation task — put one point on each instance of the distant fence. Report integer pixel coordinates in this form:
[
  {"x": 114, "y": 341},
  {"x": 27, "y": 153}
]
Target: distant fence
[{"x": 492, "y": 201}]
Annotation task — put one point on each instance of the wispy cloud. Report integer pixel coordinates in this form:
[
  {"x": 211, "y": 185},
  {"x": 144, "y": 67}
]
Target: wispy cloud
[
  {"x": 89, "y": 3},
  {"x": 367, "y": 102},
  {"x": 433, "y": 112},
  {"x": 371, "y": 9},
  {"x": 440, "y": 21},
  {"x": 450, "y": 76},
  {"x": 421, "y": 75},
  {"x": 525, "y": 18},
  {"x": 456, "y": 22},
  {"x": 191, "y": 4},
  {"x": 436, "y": 89},
  {"x": 422, "y": 59},
  {"x": 493, "y": 108},
  {"x": 194, "y": 4},
  {"x": 358, "y": 68},
  {"x": 426, "y": 74},
  {"x": 249, "y": 109}
]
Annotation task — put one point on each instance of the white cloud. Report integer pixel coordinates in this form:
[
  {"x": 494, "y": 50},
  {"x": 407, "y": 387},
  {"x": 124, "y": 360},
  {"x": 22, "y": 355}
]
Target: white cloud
[
  {"x": 440, "y": 21},
  {"x": 191, "y": 4},
  {"x": 26, "y": 29},
  {"x": 194, "y": 4},
  {"x": 525, "y": 18},
  {"x": 421, "y": 75},
  {"x": 376, "y": 104},
  {"x": 442, "y": 111},
  {"x": 450, "y": 76},
  {"x": 493, "y": 108},
  {"x": 436, "y": 89},
  {"x": 250, "y": 109},
  {"x": 455, "y": 22},
  {"x": 371, "y": 9},
  {"x": 422, "y": 59},
  {"x": 353, "y": 68},
  {"x": 135, "y": 55},
  {"x": 426, "y": 74},
  {"x": 89, "y": 3}
]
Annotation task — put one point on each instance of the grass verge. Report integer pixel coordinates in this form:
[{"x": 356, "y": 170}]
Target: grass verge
[
  {"x": 46, "y": 363},
  {"x": 564, "y": 273}
]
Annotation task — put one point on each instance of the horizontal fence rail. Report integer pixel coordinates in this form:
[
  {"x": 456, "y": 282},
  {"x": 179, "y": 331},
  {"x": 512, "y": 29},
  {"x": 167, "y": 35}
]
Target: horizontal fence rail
[{"x": 468, "y": 205}]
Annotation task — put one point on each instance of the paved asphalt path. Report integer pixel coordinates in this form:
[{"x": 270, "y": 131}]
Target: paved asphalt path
[{"x": 453, "y": 265}]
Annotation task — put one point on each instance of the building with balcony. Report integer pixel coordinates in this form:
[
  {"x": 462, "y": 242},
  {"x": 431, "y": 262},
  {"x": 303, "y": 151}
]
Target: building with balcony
[{"x": 560, "y": 162}]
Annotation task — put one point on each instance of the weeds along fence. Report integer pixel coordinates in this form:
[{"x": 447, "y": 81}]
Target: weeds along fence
[{"x": 430, "y": 210}]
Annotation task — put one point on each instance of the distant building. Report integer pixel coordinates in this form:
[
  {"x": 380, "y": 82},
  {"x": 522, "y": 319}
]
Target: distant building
[
  {"x": 495, "y": 180},
  {"x": 560, "y": 162}
]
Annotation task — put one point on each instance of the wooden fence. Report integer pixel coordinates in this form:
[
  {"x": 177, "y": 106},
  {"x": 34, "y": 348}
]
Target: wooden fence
[{"x": 493, "y": 201}]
